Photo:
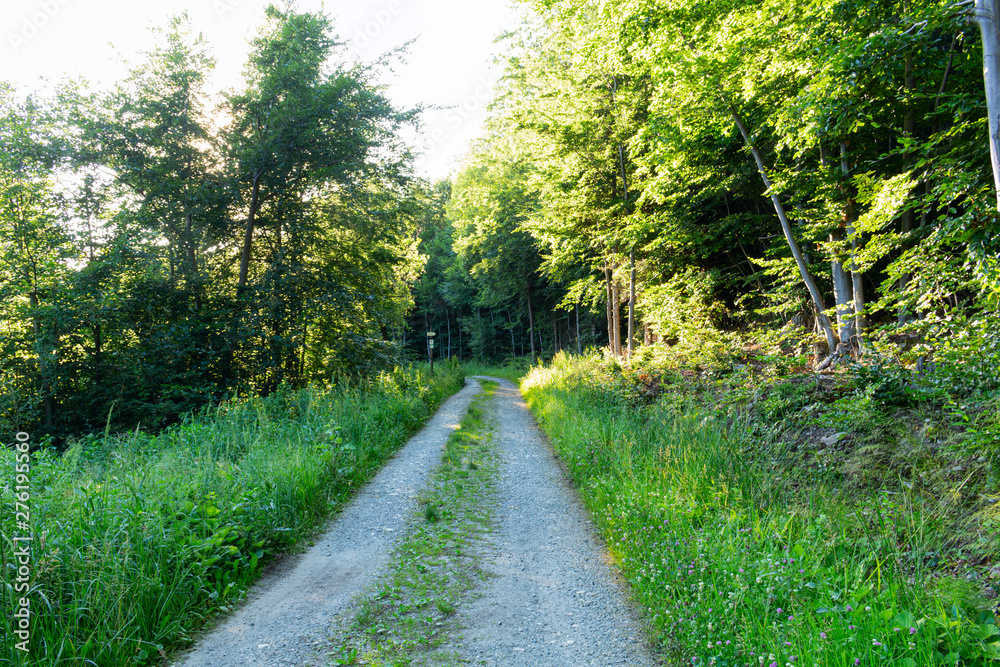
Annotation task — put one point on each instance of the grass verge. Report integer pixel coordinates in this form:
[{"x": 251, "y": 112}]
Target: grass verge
[
  {"x": 736, "y": 562},
  {"x": 410, "y": 612},
  {"x": 140, "y": 540}
]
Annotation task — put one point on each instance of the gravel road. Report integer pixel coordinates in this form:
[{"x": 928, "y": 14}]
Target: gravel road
[
  {"x": 554, "y": 600},
  {"x": 291, "y": 608}
]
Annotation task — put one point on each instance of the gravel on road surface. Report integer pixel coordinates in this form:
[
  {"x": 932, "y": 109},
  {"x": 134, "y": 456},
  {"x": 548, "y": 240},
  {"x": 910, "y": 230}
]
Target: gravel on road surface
[
  {"x": 289, "y": 611},
  {"x": 554, "y": 599}
]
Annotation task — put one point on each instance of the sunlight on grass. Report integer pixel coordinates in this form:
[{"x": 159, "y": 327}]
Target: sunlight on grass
[{"x": 735, "y": 563}]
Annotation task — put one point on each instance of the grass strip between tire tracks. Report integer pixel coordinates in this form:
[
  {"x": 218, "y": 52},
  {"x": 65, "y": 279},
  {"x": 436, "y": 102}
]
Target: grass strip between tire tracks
[{"x": 410, "y": 612}]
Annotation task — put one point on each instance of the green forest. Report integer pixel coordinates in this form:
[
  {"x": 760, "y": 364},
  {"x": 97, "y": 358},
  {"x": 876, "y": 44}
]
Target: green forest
[
  {"x": 651, "y": 173},
  {"x": 766, "y": 232}
]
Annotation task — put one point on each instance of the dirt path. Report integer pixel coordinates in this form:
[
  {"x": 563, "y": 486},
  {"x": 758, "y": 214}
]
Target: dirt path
[
  {"x": 290, "y": 610},
  {"x": 555, "y": 601}
]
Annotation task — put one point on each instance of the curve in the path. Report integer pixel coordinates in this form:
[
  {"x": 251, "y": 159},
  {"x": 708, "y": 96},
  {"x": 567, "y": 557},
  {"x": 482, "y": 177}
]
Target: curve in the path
[
  {"x": 289, "y": 611},
  {"x": 555, "y": 600}
]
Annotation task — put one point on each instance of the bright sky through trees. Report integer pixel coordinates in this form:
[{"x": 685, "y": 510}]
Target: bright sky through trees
[{"x": 449, "y": 64}]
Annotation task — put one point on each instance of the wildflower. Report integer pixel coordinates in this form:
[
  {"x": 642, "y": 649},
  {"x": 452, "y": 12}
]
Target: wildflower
[
  {"x": 780, "y": 610},
  {"x": 895, "y": 629},
  {"x": 857, "y": 661},
  {"x": 728, "y": 642},
  {"x": 913, "y": 631},
  {"x": 822, "y": 635},
  {"x": 849, "y": 608},
  {"x": 867, "y": 608},
  {"x": 876, "y": 642},
  {"x": 790, "y": 618},
  {"x": 851, "y": 627}
]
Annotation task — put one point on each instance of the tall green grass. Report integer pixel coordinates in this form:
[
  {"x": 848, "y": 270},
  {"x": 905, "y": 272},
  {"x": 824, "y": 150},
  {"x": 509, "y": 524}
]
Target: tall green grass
[
  {"x": 140, "y": 540},
  {"x": 734, "y": 563}
]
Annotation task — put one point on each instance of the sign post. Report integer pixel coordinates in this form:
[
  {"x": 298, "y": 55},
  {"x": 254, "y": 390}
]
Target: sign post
[{"x": 430, "y": 348}]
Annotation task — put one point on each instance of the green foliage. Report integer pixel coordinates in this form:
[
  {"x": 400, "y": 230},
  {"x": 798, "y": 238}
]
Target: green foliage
[
  {"x": 683, "y": 306},
  {"x": 736, "y": 557},
  {"x": 121, "y": 213},
  {"x": 142, "y": 539}
]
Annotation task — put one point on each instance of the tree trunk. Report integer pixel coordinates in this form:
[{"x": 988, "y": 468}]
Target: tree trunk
[
  {"x": 631, "y": 303},
  {"x": 906, "y": 219},
  {"x": 857, "y": 278},
  {"x": 786, "y": 227},
  {"x": 579, "y": 345},
  {"x": 248, "y": 236},
  {"x": 555, "y": 335},
  {"x": 611, "y": 317},
  {"x": 493, "y": 331},
  {"x": 447, "y": 316},
  {"x": 987, "y": 13},
  {"x": 42, "y": 344},
  {"x": 531, "y": 330},
  {"x": 843, "y": 290},
  {"x": 302, "y": 355},
  {"x": 616, "y": 315},
  {"x": 513, "y": 344}
]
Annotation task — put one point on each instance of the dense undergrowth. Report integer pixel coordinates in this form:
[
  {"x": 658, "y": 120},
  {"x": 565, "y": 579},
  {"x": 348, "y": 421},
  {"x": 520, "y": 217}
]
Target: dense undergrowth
[
  {"x": 769, "y": 516},
  {"x": 141, "y": 539}
]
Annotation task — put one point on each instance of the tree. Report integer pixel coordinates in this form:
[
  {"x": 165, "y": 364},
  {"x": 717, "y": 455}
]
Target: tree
[
  {"x": 490, "y": 203},
  {"x": 33, "y": 248}
]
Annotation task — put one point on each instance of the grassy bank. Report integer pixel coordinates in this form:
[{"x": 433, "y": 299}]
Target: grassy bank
[
  {"x": 139, "y": 540},
  {"x": 743, "y": 551},
  {"x": 409, "y": 615}
]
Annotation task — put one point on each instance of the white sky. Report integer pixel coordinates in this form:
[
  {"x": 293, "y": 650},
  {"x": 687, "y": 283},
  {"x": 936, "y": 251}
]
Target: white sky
[{"x": 449, "y": 65}]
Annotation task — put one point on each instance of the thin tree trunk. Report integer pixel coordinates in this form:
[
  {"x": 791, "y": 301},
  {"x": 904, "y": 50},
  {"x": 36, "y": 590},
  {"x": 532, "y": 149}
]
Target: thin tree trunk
[
  {"x": 857, "y": 277},
  {"x": 493, "y": 331},
  {"x": 555, "y": 335},
  {"x": 631, "y": 304},
  {"x": 513, "y": 344},
  {"x": 248, "y": 236},
  {"x": 42, "y": 346},
  {"x": 616, "y": 314},
  {"x": 843, "y": 290},
  {"x": 447, "y": 316},
  {"x": 786, "y": 227},
  {"x": 531, "y": 330},
  {"x": 987, "y": 13},
  {"x": 906, "y": 219},
  {"x": 611, "y": 317},
  {"x": 579, "y": 345}
]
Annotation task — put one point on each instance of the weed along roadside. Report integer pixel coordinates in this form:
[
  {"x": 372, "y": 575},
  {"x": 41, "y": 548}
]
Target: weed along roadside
[
  {"x": 739, "y": 554},
  {"x": 141, "y": 540},
  {"x": 410, "y": 611}
]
